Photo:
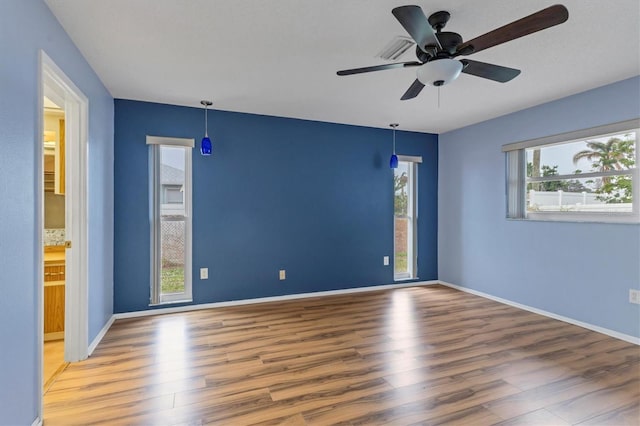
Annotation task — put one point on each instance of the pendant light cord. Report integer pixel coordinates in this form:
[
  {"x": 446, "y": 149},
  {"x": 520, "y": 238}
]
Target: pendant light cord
[
  {"x": 394, "y": 125},
  {"x": 394, "y": 140},
  {"x": 206, "y": 122},
  {"x": 206, "y": 105}
]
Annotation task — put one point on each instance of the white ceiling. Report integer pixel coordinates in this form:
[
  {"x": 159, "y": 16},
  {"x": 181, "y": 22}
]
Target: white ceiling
[{"x": 280, "y": 57}]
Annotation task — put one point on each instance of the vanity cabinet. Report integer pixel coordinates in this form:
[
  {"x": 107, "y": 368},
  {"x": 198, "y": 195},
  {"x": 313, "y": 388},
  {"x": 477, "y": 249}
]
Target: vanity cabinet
[{"x": 54, "y": 288}]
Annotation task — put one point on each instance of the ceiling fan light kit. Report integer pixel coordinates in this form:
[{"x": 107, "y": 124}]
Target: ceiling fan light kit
[
  {"x": 439, "y": 72},
  {"x": 436, "y": 50}
]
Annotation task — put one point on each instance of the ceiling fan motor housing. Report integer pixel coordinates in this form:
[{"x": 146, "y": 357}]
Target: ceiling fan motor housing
[
  {"x": 449, "y": 41},
  {"x": 439, "y": 72}
]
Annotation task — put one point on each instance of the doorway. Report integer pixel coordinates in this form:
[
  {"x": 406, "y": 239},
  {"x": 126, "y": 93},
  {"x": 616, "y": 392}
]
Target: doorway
[
  {"x": 62, "y": 149},
  {"x": 53, "y": 144}
]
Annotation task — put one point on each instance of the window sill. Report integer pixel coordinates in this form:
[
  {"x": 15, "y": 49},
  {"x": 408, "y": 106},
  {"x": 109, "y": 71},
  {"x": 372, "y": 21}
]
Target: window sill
[
  {"x": 407, "y": 279},
  {"x": 621, "y": 220},
  {"x": 171, "y": 302}
]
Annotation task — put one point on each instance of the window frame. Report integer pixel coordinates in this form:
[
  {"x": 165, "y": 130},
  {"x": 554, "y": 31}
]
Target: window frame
[
  {"x": 516, "y": 179},
  {"x": 155, "y": 202},
  {"x": 412, "y": 192}
]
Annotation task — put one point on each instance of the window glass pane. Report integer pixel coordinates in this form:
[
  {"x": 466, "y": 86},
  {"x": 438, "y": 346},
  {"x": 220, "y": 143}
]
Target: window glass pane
[
  {"x": 404, "y": 221},
  {"x": 172, "y": 251},
  {"x": 604, "y": 193},
  {"x": 600, "y": 154},
  {"x": 172, "y": 220},
  {"x": 610, "y": 194},
  {"x": 568, "y": 181},
  {"x": 400, "y": 207}
]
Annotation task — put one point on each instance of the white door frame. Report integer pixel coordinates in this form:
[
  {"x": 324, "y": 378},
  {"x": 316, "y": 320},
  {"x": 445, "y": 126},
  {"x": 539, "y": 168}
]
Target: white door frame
[{"x": 55, "y": 83}]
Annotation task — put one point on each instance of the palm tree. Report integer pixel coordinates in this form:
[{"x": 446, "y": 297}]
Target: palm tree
[
  {"x": 535, "y": 170},
  {"x": 615, "y": 154},
  {"x": 610, "y": 155}
]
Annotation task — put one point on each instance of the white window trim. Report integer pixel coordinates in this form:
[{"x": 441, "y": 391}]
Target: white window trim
[
  {"x": 156, "y": 297},
  {"x": 515, "y": 186},
  {"x": 410, "y": 158},
  {"x": 575, "y": 136}
]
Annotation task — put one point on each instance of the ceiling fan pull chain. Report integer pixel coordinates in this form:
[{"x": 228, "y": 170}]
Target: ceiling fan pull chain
[{"x": 438, "y": 97}]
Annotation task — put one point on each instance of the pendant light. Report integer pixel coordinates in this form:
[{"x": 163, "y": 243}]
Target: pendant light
[
  {"x": 205, "y": 145},
  {"x": 393, "y": 162}
]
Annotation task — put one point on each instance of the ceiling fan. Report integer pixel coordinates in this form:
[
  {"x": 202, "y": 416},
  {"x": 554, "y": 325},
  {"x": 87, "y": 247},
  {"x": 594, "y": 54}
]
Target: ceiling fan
[{"x": 436, "y": 49}]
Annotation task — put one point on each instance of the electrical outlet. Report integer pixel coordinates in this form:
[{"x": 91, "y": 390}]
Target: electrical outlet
[
  {"x": 385, "y": 261},
  {"x": 204, "y": 273},
  {"x": 283, "y": 274},
  {"x": 634, "y": 296}
]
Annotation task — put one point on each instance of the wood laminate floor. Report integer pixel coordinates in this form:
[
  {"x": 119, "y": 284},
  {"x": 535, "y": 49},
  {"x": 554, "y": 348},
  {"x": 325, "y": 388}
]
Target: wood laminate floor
[
  {"x": 53, "y": 357},
  {"x": 418, "y": 355}
]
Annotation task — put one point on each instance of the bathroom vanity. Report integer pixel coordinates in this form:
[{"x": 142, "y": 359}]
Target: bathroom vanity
[{"x": 54, "y": 288}]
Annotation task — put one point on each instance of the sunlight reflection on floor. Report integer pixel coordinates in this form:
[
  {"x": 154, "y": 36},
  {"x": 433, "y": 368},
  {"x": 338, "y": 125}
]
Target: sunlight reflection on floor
[
  {"x": 171, "y": 349},
  {"x": 401, "y": 325}
]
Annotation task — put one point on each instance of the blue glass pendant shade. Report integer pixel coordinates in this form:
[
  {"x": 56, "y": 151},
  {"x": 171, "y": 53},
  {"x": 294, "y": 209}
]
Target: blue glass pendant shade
[
  {"x": 205, "y": 146},
  {"x": 393, "y": 162}
]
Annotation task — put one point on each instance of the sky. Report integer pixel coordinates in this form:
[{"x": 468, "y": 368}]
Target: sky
[
  {"x": 562, "y": 156},
  {"x": 173, "y": 156}
]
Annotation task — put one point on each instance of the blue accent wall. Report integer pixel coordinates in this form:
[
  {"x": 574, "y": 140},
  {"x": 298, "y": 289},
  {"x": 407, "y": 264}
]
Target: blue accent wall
[
  {"x": 26, "y": 26},
  {"x": 578, "y": 270},
  {"x": 310, "y": 197}
]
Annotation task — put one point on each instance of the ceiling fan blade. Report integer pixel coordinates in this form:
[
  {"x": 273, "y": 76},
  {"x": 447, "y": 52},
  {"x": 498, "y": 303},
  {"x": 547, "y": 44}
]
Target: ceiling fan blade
[
  {"x": 378, "y": 68},
  {"x": 541, "y": 20},
  {"x": 413, "y": 19},
  {"x": 413, "y": 90},
  {"x": 492, "y": 72}
]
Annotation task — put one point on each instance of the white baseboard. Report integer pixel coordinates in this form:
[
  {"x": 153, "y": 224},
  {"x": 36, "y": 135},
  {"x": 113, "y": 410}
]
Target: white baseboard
[
  {"x": 608, "y": 332},
  {"x": 188, "y": 308},
  {"x": 37, "y": 422},
  {"x": 100, "y": 335}
]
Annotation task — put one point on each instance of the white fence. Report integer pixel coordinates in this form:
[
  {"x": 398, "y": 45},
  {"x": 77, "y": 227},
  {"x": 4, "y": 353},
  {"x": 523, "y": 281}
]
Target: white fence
[{"x": 571, "y": 201}]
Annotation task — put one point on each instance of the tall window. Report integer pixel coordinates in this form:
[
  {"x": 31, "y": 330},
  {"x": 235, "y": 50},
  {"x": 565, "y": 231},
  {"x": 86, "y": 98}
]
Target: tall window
[
  {"x": 170, "y": 208},
  {"x": 584, "y": 175},
  {"x": 405, "y": 212}
]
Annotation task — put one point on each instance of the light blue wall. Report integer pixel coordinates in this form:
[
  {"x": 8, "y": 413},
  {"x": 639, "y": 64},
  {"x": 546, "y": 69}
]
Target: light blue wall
[
  {"x": 579, "y": 270},
  {"x": 26, "y": 26},
  {"x": 313, "y": 198}
]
